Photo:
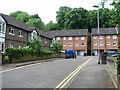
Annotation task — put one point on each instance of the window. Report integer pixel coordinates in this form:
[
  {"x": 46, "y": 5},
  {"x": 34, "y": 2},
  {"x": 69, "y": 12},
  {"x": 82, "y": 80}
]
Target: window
[
  {"x": 108, "y": 36},
  {"x": 11, "y": 31},
  {"x": 64, "y": 38},
  {"x": 45, "y": 40},
  {"x": 114, "y": 43},
  {"x": 64, "y": 44},
  {"x": 82, "y": 38},
  {"x": 70, "y": 44},
  {"x": 101, "y": 37},
  {"x": 11, "y": 45},
  {"x": 114, "y": 36},
  {"x": 108, "y": 43},
  {"x": 95, "y": 43},
  {"x": 76, "y": 44},
  {"x": 76, "y": 38},
  {"x": 70, "y": 38},
  {"x": 58, "y": 38},
  {"x": 2, "y": 27},
  {"x": 101, "y": 43},
  {"x": 82, "y": 44},
  {"x": 95, "y": 37},
  {"x": 20, "y": 33}
]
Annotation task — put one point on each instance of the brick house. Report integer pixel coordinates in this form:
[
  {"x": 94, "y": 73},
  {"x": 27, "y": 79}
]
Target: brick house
[
  {"x": 72, "y": 39},
  {"x": 108, "y": 40},
  {"x": 14, "y": 33}
]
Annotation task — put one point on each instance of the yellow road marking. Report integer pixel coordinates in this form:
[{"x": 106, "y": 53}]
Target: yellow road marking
[
  {"x": 112, "y": 77},
  {"x": 71, "y": 75},
  {"x": 20, "y": 67}
]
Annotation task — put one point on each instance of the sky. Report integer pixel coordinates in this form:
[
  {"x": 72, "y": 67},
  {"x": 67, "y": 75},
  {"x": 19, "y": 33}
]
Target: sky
[{"x": 46, "y": 9}]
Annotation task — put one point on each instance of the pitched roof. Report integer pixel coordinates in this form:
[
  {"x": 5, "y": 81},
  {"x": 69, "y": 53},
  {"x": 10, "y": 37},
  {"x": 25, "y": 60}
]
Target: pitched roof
[
  {"x": 105, "y": 31},
  {"x": 72, "y": 32},
  {"x": 14, "y": 22}
]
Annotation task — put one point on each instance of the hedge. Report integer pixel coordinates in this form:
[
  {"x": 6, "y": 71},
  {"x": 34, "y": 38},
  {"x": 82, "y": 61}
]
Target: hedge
[{"x": 25, "y": 54}]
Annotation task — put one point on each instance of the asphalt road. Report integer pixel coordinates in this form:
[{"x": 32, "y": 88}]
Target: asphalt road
[{"x": 51, "y": 74}]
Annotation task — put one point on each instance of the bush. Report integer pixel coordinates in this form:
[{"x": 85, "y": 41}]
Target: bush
[{"x": 20, "y": 52}]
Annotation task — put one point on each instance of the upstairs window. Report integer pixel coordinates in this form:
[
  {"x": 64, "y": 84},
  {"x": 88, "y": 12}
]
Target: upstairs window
[
  {"x": 108, "y": 36},
  {"x": 114, "y": 36},
  {"x": 11, "y": 30},
  {"x": 101, "y": 37},
  {"x": 82, "y": 38},
  {"x": 64, "y": 38},
  {"x": 76, "y": 38},
  {"x": 70, "y": 38},
  {"x": 58, "y": 38},
  {"x": 21, "y": 33},
  {"x": 95, "y": 37}
]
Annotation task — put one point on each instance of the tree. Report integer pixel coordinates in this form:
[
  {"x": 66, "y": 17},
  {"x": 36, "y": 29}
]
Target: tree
[
  {"x": 33, "y": 20},
  {"x": 61, "y": 16},
  {"x": 35, "y": 44},
  {"x": 76, "y": 19},
  {"x": 51, "y": 26},
  {"x": 56, "y": 46}
]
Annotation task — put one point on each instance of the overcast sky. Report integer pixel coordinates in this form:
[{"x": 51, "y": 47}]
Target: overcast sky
[{"x": 46, "y": 9}]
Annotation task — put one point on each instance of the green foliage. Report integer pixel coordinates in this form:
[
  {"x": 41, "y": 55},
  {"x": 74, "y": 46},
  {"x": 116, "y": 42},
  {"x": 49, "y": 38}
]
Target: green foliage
[
  {"x": 20, "y": 52},
  {"x": 33, "y": 20},
  {"x": 35, "y": 44},
  {"x": 56, "y": 46},
  {"x": 51, "y": 26},
  {"x": 118, "y": 64}
]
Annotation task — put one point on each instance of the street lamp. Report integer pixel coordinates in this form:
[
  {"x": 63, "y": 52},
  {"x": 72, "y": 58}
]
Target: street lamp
[{"x": 98, "y": 34}]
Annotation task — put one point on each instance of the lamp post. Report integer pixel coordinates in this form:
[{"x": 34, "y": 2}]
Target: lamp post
[{"x": 98, "y": 34}]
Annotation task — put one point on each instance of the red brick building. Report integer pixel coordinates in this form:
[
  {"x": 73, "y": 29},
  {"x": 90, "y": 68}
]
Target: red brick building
[{"x": 108, "y": 40}]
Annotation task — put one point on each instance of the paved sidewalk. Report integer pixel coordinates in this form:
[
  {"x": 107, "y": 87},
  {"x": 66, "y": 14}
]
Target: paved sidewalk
[
  {"x": 13, "y": 65},
  {"x": 93, "y": 76}
]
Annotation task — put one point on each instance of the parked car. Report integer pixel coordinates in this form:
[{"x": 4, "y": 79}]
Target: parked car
[
  {"x": 115, "y": 55},
  {"x": 70, "y": 54}
]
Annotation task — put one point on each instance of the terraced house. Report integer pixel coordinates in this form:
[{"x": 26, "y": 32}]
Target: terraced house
[
  {"x": 14, "y": 33},
  {"x": 72, "y": 39},
  {"x": 108, "y": 40}
]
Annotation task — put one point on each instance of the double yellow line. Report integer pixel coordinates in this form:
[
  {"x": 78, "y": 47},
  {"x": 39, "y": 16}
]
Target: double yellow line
[{"x": 70, "y": 76}]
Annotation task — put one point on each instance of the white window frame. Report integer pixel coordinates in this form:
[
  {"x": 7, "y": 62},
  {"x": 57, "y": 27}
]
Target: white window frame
[
  {"x": 11, "y": 31},
  {"x": 76, "y": 44},
  {"x": 45, "y": 40},
  {"x": 82, "y": 38},
  {"x": 95, "y": 37},
  {"x": 69, "y": 38},
  {"x": 101, "y": 43},
  {"x": 108, "y": 36},
  {"x": 11, "y": 45},
  {"x": 114, "y": 43},
  {"x": 95, "y": 43},
  {"x": 64, "y": 43},
  {"x": 83, "y": 44},
  {"x": 101, "y": 37},
  {"x": 64, "y": 38},
  {"x": 108, "y": 43},
  {"x": 70, "y": 44},
  {"x": 21, "y": 33},
  {"x": 114, "y": 36},
  {"x": 76, "y": 38},
  {"x": 58, "y": 38}
]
